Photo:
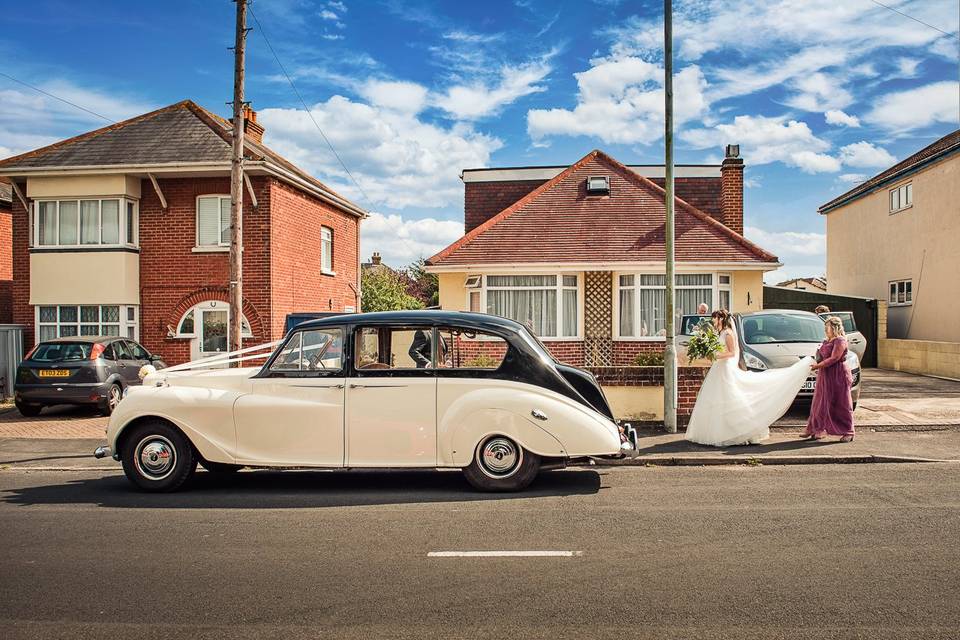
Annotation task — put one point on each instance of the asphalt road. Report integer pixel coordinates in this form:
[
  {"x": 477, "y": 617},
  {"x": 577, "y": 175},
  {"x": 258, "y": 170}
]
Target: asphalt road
[{"x": 834, "y": 551}]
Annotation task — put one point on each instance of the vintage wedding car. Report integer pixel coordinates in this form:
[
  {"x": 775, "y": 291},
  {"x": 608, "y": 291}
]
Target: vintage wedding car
[{"x": 428, "y": 389}]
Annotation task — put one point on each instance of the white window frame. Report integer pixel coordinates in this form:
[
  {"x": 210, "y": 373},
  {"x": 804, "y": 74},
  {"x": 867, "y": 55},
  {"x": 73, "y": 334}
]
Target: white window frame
[
  {"x": 123, "y": 324},
  {"x": 560, "y": 288},
  {"x": 221, "y": 245},
  {"x": 245, "y": 331},
  {"x": 715, "y": 286},
  {"x": 326, "y": 252},
  {"x": 900, "y": 286},
  {"x": 721, "y": 287},
  {"x": 122, "y": 228},
  {"x": 904, "y": 196}
]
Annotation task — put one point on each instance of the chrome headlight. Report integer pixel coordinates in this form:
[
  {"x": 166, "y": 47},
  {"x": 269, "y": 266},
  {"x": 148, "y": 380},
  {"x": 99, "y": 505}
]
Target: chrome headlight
[{"x": 753, "y": 362}]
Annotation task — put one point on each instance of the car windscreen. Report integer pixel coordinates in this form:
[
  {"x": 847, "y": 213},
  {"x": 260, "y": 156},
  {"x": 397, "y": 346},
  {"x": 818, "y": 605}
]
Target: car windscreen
[
  {"x": 769, "y": 328},
  {"x": 849, "y": 324},
  {"x": 61, "y": 351},
  {"x": 689, "y": 324}
]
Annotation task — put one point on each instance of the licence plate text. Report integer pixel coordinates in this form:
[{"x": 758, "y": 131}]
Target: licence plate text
[
  {"x": 809, "y": 385},
  {"x": 54, "y": 373}
]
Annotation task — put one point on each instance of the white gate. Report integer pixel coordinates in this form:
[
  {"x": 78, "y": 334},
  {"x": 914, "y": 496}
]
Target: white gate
[{"x": 11, "y": 353}]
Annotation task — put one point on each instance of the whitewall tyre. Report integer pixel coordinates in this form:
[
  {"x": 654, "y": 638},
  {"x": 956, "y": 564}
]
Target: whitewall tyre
[
  {"x": 500, "y": 464},
  {"x": 157, "y": 457}
]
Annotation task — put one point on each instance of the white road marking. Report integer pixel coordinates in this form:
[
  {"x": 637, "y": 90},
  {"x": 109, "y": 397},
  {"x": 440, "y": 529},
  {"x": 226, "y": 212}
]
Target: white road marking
[{"x": 504, "y": 554}]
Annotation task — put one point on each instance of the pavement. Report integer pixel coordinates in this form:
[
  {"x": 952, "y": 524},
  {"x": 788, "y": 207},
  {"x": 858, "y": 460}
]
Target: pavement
[{"x": 811, "y": 552}]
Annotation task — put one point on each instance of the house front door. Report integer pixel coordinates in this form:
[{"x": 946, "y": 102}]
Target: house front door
[{"x": 212, "y": 333}]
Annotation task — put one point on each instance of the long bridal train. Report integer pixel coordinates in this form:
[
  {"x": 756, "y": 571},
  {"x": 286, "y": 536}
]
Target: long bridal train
[{"x": 738, "y": 407}]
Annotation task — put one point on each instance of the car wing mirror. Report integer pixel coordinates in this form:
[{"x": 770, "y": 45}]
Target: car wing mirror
[{"x": 155, "y": 357}]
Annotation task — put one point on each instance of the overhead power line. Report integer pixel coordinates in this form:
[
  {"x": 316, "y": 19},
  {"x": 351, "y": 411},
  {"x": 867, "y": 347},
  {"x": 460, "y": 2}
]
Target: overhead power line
[
  {"x": 56, "y": 97},
  {"x": 926, "y": 24},
  {"x": 307, "y": 109}
]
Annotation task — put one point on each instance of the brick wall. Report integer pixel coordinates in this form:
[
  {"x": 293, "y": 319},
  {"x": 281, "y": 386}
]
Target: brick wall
[
  {"x": 625, "y": 352},
  {"x": 703, "y": 193},
  {"x": 569, "y": 352},
  {"x": 6, "y": 265},
  {"x": 297, "y": 283},
  {"x": 22, "y": 311},
  {"x": 689, "y": 381},
  {"x": 483, "y": 200},
  {"x": 173, "y": 277}
]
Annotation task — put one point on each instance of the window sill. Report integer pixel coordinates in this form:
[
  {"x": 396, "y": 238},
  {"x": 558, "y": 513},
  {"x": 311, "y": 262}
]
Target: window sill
[
  {"x": 88, "y": 248},
  {"x": 896, "y": 211},
  {"x": 324, "y": 272},
  {"x": 899, "y": 304},
  {"x": 211, "y": 250},
  {"x": 640, "y": 339}
]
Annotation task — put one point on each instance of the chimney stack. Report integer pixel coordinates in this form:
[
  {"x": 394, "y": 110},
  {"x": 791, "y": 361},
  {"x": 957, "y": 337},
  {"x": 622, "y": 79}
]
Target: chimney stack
[
  {"x": 250, "y": 126},
  {"x": 731, "y": 188},
  {"x": 375, "y": 258}
]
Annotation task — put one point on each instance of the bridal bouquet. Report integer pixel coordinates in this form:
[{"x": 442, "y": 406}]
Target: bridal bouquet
[{"x": 705, "y": 343}]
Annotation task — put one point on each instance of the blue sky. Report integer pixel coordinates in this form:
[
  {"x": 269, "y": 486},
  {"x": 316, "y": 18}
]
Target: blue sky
[{"x": 820, "y": 94}]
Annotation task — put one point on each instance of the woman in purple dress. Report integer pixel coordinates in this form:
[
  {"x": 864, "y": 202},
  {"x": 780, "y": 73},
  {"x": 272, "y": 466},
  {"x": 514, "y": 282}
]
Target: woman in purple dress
[{"x": 832, "y": 409}]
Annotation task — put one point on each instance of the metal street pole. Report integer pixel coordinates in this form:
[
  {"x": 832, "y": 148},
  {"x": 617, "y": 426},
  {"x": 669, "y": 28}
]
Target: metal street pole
[
  {"x": 670, "y": 352},
  {"x": 236, "y": 183}
]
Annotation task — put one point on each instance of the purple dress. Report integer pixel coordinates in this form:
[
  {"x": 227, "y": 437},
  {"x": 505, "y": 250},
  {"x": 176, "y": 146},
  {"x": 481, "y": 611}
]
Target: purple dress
[{"x": 832, "y": 408}]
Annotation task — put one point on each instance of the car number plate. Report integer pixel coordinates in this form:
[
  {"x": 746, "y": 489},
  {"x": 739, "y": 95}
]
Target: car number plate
[
  {"x": 809, "y": 385},
  {"x": 54, "y": 373}
]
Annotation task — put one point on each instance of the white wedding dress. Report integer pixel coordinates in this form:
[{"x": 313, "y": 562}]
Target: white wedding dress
[{"x": 738, "y": 407}]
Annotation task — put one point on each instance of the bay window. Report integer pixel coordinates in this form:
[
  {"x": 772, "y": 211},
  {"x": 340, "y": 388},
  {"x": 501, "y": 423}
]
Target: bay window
[
  {"x": 85, "y": 223},
  {"x": 57, "y": 321},
  {"x": 213, "y": 221},
  {"x": 641, "y": 301},
  {"x": 547, "y": 304}
]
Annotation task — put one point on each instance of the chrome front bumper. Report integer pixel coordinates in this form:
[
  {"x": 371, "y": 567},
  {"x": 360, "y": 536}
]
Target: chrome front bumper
[{"x": 102, "y": 452}]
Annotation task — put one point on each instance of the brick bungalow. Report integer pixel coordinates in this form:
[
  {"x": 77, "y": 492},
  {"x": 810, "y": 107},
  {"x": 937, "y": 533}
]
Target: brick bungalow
[
  {"x": 577, "y": 253},
  {"x": 6, "y": 253},
  {"x": 125, "y": 231}
]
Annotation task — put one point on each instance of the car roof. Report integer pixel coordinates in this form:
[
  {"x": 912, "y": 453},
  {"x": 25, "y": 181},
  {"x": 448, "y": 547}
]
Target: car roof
[
  {"x": 428, "y": 317},
  {"x": 780, "y": 312},
  {"x": 87, "y": 339}
]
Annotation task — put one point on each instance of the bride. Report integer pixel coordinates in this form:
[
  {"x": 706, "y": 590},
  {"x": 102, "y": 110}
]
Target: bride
[{"x": 736, "y": 406}]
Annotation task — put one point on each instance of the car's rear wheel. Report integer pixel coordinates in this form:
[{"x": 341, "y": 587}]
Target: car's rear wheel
[
  {"x": 157, "y": 457},
  {"x": 114, "y": 396},
  {"x": 500, "y": 464},
  {"x": 28, "y": 410}
]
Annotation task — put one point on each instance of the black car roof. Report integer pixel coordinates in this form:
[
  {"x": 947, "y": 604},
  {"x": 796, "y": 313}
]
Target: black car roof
[
  {"x": 478, "y": 321},
  {"x": 89, "y": 339}
]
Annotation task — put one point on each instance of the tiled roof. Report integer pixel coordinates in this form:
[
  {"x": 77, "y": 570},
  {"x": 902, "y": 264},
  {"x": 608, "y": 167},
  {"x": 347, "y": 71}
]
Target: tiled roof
[
  {"x": 6, "y": 194},
  {"x": 180, "y": 133},
  {"x": 558, "y": 223},
  {"x": 947, "y": 144}
]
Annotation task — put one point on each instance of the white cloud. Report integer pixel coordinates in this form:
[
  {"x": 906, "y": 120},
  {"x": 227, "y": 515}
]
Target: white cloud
[
  {"x": 907, "y": 67},
  {"x": 819, "y": 92},
  {"x": 326, "y": 14},
  {"x": 621, "y": 101},
  {"x": 763, "y": 140},
  {"x": 401, "y": 240},
  {"x": 406, "y": 97},
  {"x": 864, "y": 154},
  {"x": 838, "y": 118},
  {"x": 852, "y": 178},
  {"x": 479, "y": 99},
  {"x": 917, "y": 108},
  {"x": 399, "y": 160},
  {"x": 788, "y": 244}
]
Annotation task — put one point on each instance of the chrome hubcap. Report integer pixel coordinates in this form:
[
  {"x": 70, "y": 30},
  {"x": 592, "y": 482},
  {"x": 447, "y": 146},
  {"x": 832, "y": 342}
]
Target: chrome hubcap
[
  {"x": 114, "y": 397},
  {"x": 155, "y": 457},
  {"x": 500, "y": 457}
]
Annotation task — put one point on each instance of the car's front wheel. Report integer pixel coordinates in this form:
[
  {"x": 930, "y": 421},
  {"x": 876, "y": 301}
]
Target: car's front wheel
[
  {"x": 157, "y": 457},
  {"x": 500, "y": 464}
]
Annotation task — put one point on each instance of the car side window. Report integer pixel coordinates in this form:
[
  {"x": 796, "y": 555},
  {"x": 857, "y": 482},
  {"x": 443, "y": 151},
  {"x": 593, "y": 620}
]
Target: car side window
[
  {"x": 139, "y": 353},
  {"x": 386, "y": 348},
  {"x": 467, "y": 349},
  {"x": 318, "y": 350},
  {"x": 108, "y": 353},
  {"x": 122, "y": 351}
]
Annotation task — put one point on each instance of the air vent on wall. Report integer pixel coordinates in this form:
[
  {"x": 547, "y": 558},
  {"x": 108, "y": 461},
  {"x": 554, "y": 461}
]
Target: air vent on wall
[{"x": 598, "y": 185}]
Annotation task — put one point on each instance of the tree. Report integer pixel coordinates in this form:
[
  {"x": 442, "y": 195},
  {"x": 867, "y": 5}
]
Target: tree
[
  {"x": 423, "y": 285},
  {"x": 386, "y": 290}
]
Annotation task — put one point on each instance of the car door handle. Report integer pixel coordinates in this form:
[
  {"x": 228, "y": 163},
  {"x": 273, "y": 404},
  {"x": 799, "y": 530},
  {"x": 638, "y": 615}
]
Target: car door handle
[
  {"x": 319, "y": 386},
  {"x": 375, "y": 386}
]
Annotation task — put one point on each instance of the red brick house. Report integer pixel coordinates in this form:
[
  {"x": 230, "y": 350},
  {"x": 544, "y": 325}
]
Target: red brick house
[
  {"x": 577, "y": 253},
  {"x": 6, "y": 253},
  {"x": 125, "y": 230}
]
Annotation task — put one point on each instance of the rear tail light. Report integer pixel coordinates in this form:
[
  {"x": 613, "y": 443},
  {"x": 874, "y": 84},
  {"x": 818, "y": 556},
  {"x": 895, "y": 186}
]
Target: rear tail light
[{"x": 97, "y": 351}]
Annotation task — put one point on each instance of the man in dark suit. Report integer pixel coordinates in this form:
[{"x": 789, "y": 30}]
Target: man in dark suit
[{"x": 421, "y": 350}]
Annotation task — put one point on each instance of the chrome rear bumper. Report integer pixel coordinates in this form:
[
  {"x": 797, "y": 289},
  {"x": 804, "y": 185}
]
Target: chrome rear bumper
[
  {"x": 101, "y": 452},
  {"x": 629, "y": 448}
]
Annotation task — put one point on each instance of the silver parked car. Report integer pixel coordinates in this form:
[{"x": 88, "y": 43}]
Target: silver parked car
[
  {"x": 776, "y": 338},
  {"x": 856, "y": 340}
]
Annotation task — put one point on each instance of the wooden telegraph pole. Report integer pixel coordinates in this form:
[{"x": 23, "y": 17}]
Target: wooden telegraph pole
[
  {"x": 670, "y": 352},
  {"x": 236, "y": 183}
]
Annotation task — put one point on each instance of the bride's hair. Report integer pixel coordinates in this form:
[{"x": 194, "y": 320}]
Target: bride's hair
[
  {"x": 836, "y": 324},
  {"x": 726, "y": 322}
]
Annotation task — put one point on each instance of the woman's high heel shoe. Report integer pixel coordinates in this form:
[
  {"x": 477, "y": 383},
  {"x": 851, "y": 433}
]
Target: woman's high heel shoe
[{"x": 846, "y": 439}]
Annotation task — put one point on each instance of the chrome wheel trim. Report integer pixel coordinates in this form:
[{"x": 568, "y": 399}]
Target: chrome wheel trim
[
  {"x": 113, "y": 397},
  {"x": 499, "y": 457},
  {"x": 155, "y": 457}
]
